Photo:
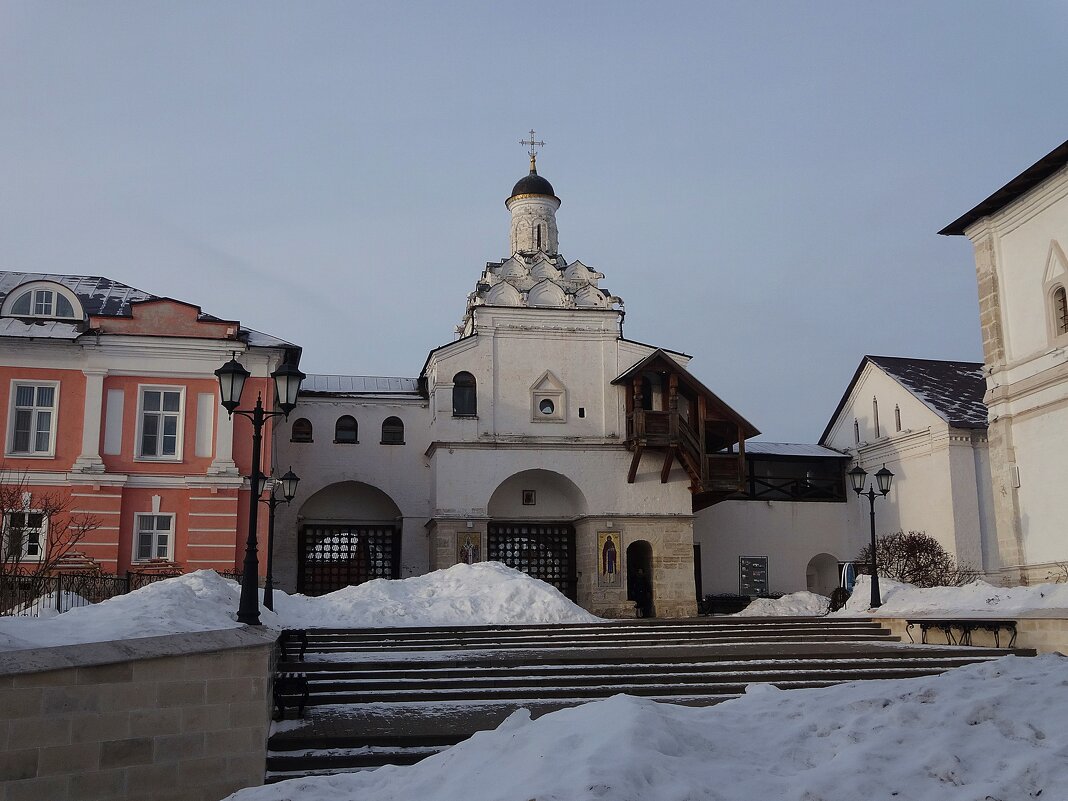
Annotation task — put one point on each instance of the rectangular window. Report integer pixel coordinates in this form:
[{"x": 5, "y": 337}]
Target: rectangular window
[
  {"x": 33, "y": 419},
  {"x": 42, "y": 302},
  {"x": 154, "y": 538},
  {"x": 160, "y": 423},
  {"x": 24, "y": 536}
]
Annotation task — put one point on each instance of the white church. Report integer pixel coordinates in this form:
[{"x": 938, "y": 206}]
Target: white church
[{"x": 543, "y": 438}]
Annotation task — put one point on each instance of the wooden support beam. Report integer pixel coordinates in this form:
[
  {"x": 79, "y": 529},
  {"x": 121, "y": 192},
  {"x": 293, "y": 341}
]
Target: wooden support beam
[
  {"x": 665, "y": 471},
  {"x": 634, "y": 460}
]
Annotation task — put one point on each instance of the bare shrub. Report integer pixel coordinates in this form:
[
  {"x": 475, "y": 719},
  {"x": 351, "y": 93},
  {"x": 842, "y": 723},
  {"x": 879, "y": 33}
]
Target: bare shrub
[{"x": 915, "y": 558}]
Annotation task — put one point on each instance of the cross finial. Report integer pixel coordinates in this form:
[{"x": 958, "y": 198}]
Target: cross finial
[{"x": 534, "y": 144}]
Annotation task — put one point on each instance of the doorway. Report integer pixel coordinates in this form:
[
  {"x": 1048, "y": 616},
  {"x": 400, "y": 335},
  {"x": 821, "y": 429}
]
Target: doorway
[{"x": 640, "y": 577}]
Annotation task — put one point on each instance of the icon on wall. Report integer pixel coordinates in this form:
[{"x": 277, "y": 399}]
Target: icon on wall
[
  {"x": 609, "y": 546},
  {"x": 468, "y": 547}
]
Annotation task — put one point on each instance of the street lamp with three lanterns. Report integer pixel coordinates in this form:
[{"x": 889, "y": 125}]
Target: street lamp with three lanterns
[{"x": 232, "y": 377}]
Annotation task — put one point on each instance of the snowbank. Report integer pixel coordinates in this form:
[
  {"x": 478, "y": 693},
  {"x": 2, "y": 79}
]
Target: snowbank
[
  {"x": 801, "y": 604},
  {"x": 977, "y": 599},
  {"x": 485, "y": 593},
  {"x": 980, "y": 732},
  {"x": 480, "y": 594}
]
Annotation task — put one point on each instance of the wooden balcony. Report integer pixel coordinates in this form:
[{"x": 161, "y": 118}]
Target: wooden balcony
[{"x": 691, "y": 426}]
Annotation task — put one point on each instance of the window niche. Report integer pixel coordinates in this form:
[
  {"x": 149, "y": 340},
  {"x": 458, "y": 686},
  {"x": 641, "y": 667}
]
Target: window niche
[
  {"x": 548, "y": 400},
  {"x": 392, "y": 431},
  {"x": 301, "y": 431},
  {"x": 346, "y": 430},
  {"x": 464, "y": 395}
]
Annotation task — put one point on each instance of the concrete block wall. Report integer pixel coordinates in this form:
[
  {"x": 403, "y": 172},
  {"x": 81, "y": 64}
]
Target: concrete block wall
[{"x": 175, "y": 718}]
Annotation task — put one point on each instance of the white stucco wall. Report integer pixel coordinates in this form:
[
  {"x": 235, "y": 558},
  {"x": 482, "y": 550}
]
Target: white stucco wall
[
  {"x": 941, "y": 480},
  {"x": 789, "y": 533},
  {"x": 1023, "y": 247}
]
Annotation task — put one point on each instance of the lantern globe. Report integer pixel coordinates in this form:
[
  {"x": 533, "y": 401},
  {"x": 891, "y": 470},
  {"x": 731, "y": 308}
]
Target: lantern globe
[
  {"x": 287, "y": 380},
  {"x": 232, "y": 377},
  {"x": 884, "y": 478},
  {"x": 289, "y": 483},
  {"x": 857, "y": 476}
]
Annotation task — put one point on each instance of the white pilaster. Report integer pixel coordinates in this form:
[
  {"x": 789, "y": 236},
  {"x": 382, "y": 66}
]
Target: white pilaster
[
  {"x": 223, "y": 464},
  {"x": 92, "y": 415}
]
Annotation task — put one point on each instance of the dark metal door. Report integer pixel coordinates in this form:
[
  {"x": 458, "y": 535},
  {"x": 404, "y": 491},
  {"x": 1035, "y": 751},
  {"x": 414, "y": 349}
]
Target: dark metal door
[
  {"x": 332, "y": 557},
  {"x": 545, "y": 551}
]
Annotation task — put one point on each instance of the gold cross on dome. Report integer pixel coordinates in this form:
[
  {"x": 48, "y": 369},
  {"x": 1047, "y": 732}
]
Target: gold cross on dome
[{"x": 534, "y": 145}]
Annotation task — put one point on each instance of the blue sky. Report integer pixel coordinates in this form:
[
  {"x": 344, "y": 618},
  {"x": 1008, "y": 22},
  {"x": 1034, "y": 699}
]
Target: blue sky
[{"x": 761, "y": 182}]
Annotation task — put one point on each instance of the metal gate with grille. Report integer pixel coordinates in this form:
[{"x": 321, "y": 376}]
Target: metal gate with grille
[
  {"x": 546, "y": 551},
  {"x": 332, "y": 557}
]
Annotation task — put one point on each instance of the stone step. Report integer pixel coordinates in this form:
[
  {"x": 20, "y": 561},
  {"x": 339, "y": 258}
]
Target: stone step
[{"x": 397, "y": 696}]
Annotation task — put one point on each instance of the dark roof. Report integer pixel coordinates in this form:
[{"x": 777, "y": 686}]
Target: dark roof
[
  {"x": 1021, "y": 184},
  {"x": 106, "y": 297},
  {"x": 532, "y": 184},
  {"x": 952, "y": 390}
]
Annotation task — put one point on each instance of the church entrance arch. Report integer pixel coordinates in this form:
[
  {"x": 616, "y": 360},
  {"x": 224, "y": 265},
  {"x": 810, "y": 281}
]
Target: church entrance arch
[
  {"x": 350, "y": 533},
  {"x": 822, "y": 574},
  {"x": 640, "y": 577},
  {"x": 531, "y": 529}
]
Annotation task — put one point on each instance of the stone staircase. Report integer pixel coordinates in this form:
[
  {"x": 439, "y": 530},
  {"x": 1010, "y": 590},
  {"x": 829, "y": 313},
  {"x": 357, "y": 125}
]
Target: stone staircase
[{"x": 395, "y": 696}]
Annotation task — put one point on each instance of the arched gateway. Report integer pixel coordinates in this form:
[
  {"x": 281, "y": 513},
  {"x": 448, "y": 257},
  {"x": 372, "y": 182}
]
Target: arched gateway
[
  {"x": 531, "y": 526},
  {"x": 350, "y": 533}
]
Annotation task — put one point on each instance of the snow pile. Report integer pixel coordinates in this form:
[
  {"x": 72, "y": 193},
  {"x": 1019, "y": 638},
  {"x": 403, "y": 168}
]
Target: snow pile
[
  {"x": 977, "y": 599},
  {"x": 980, "y": 732},
  {"x": 479, "y": 594},
  {"x": 484, "y": 593},
  {"x": 801, "y": 604},
  {"x": 201, "y": 601}
]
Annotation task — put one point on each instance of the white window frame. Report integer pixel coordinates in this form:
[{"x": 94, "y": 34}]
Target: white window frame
[
  {"x": 32, "y": 454},
  {"x": 42, "y": 536},
  {"x": 140, "y": 455},
  {"x": 35, "y": 289},
  {"x": 137, "y": 530}
]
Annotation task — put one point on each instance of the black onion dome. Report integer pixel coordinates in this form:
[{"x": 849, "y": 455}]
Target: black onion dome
[{"x": 532, "y": 184}]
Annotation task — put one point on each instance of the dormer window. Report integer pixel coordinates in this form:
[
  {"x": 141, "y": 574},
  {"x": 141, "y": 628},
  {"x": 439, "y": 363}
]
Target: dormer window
[{"x": 45, "y": 300}]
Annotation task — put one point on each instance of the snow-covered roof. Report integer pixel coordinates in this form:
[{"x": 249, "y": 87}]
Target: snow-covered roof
[
  {"x": 360, "y": 385},
  {"x": 791, "y": 449},
  {"x": 99, "y": 297},
  {"x": 952, "y": 390}
]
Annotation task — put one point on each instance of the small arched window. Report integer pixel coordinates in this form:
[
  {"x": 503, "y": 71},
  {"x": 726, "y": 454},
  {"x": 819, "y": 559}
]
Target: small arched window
[
  {"x": 43, "y": 300},
  {"x": 856, "y": 431},
  {"x": 346, "y": 430},
  {"x": 392, "y": 431},
  {"x": 897, "y": 418},
  {"x": 302, "y": 431},
  {"x": 875, "y": 416},
  {"x": 464, "y": 395},
  {"x": 1060, "y": 311}
]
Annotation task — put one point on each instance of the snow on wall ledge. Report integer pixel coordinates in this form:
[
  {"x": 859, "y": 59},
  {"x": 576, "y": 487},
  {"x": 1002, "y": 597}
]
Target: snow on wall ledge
[
  {"x": 985, "y": 731},
  {"x": 487, "y": 593}
]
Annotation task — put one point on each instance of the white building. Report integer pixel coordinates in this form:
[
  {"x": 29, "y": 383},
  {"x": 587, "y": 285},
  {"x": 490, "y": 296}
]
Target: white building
[
  {"x": 541, "y": 438},
  {"x": 1020, "y": 234}
]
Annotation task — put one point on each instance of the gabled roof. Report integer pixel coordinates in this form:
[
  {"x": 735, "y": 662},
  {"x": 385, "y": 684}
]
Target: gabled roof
[
  {"x": 1020, "y": 185},
  {"x": 661, "y": 356},
  {"x": 952, "y": 390}
]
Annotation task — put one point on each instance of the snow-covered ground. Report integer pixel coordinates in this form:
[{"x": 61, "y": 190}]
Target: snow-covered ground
[
  {"x": 995, "y": 730},
  {"x": 977, "y": 599},
  {"x": 485, "y": 593}
]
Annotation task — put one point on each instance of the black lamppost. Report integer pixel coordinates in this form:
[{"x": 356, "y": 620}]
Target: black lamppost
[
  {"x": 884, "y": 478},
  {"x": 232, "y": 377},
  {"x": 288, "y": 483}
]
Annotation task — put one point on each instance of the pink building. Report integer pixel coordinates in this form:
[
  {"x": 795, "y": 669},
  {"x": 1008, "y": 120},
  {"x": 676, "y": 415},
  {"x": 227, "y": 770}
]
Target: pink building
[{"x": 109, "y": 400}]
